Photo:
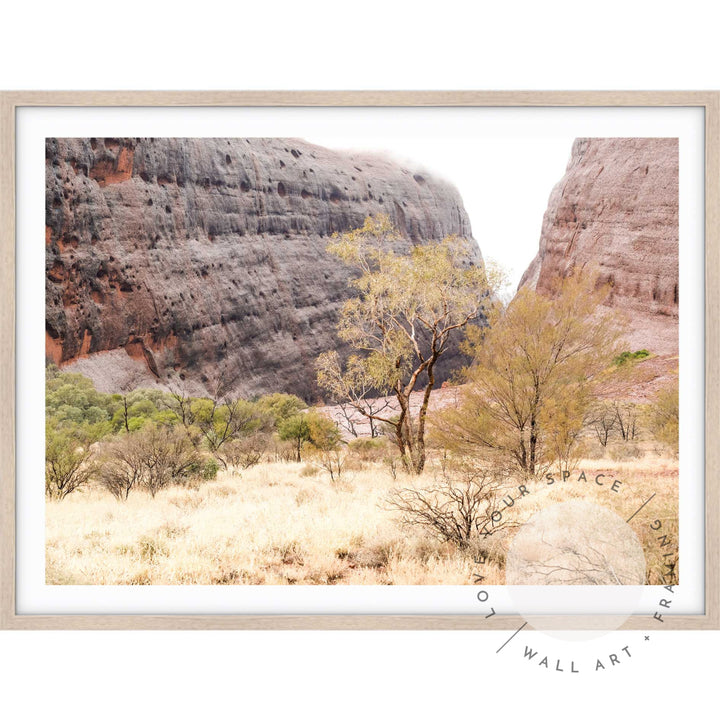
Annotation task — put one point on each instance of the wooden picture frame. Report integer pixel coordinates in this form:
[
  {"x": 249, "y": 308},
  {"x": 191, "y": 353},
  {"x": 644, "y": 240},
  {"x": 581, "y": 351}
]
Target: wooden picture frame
[{"x": 11, "y": 101}]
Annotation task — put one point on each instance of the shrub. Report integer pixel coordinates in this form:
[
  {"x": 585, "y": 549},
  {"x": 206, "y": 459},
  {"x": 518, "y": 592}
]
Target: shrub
[
  {"x": 209, "y": 469},
  {"x": 123, "y": 466},
  {"x": 459, "y": 510},
  {"x": 627, "y": 356},
  {"x": 325, "y": 444},
  {"x": 153, "y": 458},
  {"x": 68, "y": 463},
  {"x": 226, "y": 420},
  {"x": 370, "y": 449},
  {"x": 664, "y": 416},
  {"x": 309, "y": 471},
  {"x": 331, "y": 460},
  {"x": 245, "y": 452},
  {"x": 628, "y": 416},
  {"x": 281, "y": 450},
  {"x": 324, "y": 433},
  {"x": 625, "y": 451}
]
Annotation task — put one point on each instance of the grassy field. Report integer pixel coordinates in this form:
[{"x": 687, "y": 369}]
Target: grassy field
[{"x": 280, "y": 524}]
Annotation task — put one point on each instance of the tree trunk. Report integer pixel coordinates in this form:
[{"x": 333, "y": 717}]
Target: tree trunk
[{"x": 125, "y": 413}]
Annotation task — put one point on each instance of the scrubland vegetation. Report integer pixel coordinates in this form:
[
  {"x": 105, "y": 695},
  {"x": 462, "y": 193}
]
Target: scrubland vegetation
[{"x": 154, "y": 487}]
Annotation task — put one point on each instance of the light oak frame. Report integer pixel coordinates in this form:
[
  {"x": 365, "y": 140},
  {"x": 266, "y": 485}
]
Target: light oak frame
[{"x": 10, "y": 101}]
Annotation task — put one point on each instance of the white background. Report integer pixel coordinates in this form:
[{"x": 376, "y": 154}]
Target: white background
[{"x": 314, "y": 45}]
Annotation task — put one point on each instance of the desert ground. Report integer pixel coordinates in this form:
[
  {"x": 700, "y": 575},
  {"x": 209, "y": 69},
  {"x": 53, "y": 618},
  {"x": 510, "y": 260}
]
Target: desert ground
[{"x": 287, "y": 523}]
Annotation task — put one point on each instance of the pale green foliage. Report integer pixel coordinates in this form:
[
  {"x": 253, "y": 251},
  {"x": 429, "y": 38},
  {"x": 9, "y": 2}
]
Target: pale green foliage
[
  {"x": 533, "y": 376},
  {"x": 281, "y": 406},
  {"x": 68, "y": 462},
  {"x": 227, "y": 420},
  {"x": 408, "y": 308},
  {"x": 325, "y": 447},
  {"x": 324, "y": 432},
  {"x": 664, "y": 416},
  {"x": 295, "y": 428},
  {"x": 310, "y": 427}
]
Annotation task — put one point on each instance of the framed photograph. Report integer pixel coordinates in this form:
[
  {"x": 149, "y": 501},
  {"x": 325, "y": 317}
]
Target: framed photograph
[{"x": 359, "y": 360}]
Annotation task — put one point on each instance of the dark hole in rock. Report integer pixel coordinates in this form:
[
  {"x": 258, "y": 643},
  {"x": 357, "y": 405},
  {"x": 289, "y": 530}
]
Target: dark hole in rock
[
  {"x": 419, "y": 179},
  {"x": 282, "y": 192},
  {"x": 244, "y": 187}
]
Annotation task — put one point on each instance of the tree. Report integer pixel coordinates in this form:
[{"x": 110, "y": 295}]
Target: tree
[
  {"x": 326, "y": 442},
  {"x": 179, "y": 402},
  {"x": 281, "y": 406},
  {"x": 295, "y": 428},
  {"x": 407, "y": 309},
  {"x": 222, "y": 419},
  {"x": 129, "y": 382},
  {"x": 533, "y": 377},
  {"x": 602, "y": 421},
  {"x": 68, "y": 463},
  {"x": 627, "y": 415}
]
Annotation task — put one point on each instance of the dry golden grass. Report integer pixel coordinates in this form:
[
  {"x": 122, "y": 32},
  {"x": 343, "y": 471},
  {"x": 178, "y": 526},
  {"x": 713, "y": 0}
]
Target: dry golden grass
[{"x": 277, "y": 524}]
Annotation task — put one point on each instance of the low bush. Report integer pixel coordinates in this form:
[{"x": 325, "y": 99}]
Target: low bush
[
  {"x": 209, "y": 469},
  {"x": 625, "y": 451},
  {"x": 627, "y": 356},
  {"x": 371, "y": 449},
  {"x": 152, "y": 458},
  {"x": 245, "y": 452},
  {"x": 460, "y": 510},
  {"x": 68, "y": 463}
]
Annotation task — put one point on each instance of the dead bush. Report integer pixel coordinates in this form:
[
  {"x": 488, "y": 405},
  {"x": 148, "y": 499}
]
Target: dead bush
[
  {"x": 281, "y": 450},
  {"x": 245, "y": 452},
  {"x": 460, "y": 509},
  {"x": 152, "y": 458}
]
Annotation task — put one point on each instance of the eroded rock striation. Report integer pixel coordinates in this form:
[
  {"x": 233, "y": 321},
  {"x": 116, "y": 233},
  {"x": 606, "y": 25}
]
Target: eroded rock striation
[
  {"x": 617, "y": 208},
  {"x": 173, "y": 260}
]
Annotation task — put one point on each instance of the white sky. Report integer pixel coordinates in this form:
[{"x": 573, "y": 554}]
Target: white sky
[{"x": 505, "y": 184}]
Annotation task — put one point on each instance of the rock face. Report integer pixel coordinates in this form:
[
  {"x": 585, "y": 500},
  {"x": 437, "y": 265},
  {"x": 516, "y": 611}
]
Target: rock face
[
  {"x": 174, "y": 260},
  {"x": 617, "y": 207}
]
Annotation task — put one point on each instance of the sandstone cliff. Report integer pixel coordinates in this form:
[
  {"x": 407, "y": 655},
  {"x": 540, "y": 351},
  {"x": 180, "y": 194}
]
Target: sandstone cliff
[
  {"x": 184, "y": 259},
  {"x": 617, "y": 207}
]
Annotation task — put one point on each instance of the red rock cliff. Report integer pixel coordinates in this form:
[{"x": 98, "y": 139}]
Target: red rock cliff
[
  {"x": 173, "y": 259},
  {"x": 617, "y": 207}
]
